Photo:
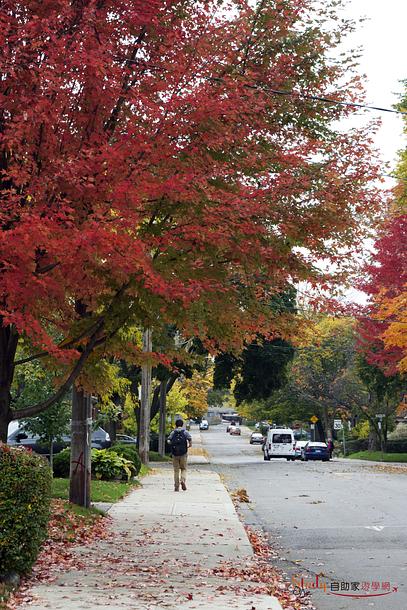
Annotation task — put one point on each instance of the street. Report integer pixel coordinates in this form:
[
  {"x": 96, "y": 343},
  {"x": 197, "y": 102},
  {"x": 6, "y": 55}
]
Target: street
[{"x": 341, "y": 520}]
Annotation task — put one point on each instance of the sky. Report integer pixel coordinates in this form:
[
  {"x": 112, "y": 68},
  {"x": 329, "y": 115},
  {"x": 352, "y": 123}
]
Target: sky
[{"x": 384, "y": 61}]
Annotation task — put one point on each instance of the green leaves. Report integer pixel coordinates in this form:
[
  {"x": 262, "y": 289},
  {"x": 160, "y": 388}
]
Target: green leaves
[
  {"x": 25, "y": 493},
  {"x": 108, "y": 465}
]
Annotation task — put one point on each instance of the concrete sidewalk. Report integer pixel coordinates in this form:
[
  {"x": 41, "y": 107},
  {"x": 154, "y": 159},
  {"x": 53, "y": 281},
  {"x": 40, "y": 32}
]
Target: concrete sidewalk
[{"x": 162, "y": 553}]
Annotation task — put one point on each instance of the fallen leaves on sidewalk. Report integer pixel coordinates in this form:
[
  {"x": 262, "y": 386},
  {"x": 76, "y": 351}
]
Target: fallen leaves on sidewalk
[
  {"x": 67, "y": 528},
  {"x": 258, "y": 576}
]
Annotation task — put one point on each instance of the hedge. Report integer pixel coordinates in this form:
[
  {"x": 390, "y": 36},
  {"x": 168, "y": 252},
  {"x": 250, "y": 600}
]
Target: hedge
[
  {"x": 362, "y": 444},
  {"x": 25, "y": 498}
]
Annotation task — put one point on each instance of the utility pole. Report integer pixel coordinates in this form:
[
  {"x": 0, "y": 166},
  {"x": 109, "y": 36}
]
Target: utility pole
[
  {"x": 162, "y": 417},
  {"x": 81, "y": 432},
  {"x": 145, "y": 402}
]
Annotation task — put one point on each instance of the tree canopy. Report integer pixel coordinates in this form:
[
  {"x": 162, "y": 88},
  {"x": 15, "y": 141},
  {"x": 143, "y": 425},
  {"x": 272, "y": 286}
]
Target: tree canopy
[{"x": 150, "y": 172}]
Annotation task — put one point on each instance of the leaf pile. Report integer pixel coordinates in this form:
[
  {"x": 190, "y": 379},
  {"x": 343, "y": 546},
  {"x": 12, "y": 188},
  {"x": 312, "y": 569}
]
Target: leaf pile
[{"x": 240, "y": 495}]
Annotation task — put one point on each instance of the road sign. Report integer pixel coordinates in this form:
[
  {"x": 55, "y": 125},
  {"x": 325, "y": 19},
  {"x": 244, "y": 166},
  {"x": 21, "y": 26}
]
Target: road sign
[
  {"x": 337, "y": 424},
  {"x": 380, "y": 415},
  {"x": 312, "y": 426},
  {"x": 314, "y": 419}
]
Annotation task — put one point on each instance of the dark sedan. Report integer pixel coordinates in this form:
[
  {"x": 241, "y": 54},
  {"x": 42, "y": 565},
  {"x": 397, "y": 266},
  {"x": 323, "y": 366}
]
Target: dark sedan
[
  {"x": 315, "y": 451},
  {"x": 19, "y": 437}
]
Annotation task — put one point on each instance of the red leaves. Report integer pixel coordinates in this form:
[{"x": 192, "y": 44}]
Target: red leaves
[
  {"x": 65, "y": 530},
  {"x": 146, "y": 150},
  {"x": 382, "y": 329}
]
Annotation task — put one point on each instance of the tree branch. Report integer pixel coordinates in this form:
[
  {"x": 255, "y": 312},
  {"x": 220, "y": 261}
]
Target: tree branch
[{"x": 41, "y": 406}]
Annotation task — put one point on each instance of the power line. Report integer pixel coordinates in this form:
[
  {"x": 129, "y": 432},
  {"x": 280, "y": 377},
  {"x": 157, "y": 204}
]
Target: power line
[
  {"x": 318, "y": 98},
  {"x": 328, "y": 100}
]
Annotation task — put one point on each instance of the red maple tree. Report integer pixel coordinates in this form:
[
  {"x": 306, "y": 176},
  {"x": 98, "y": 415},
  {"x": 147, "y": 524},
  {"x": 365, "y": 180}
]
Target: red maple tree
[
  {"x": 383, "y": 331},
  {"x": 150, "y": 169}
]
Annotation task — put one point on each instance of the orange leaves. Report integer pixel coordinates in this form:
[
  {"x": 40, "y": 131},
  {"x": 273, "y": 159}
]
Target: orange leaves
[{"x": 388, "y": 287}]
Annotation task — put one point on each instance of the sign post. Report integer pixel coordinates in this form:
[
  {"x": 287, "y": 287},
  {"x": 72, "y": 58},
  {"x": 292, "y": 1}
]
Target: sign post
[
  {"x": 314, "y": 420},
  {"x": 338, "y": 425},
  {"x": 380, "y": 417}
]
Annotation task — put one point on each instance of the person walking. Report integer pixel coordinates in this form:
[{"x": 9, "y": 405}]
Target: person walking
[
  {"x": 331, "y": 448},
  {"x": 180, "y": 440}
]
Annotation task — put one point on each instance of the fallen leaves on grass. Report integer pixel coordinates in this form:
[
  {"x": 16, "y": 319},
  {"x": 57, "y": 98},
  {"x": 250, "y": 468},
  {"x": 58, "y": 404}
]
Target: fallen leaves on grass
[{"x": 66, "y": 529}]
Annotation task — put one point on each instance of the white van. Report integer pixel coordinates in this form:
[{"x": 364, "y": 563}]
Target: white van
[{"x": 280, "y": 443}]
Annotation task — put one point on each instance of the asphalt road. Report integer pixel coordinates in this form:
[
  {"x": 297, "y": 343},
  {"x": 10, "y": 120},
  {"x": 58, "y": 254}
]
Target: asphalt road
[{"x": 342, "y": 520}]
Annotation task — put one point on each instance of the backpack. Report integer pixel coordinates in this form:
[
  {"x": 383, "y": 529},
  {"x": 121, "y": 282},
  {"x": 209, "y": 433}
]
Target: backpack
[{"x": 179, "y": 444}]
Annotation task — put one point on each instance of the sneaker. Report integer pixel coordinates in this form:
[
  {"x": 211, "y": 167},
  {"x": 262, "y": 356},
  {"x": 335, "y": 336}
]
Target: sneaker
[{"x": 183, "y": 485}]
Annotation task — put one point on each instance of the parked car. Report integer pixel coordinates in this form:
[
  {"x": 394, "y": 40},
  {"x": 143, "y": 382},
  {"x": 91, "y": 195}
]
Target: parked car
[
  {"x": 126, "y": 439},
  {"x": 256, "y": 438},
  {"x": 204, "y": 425},
  {"x": 235, "y": 431},
  {"x": 21, "y": 437},
  {"x": 280, "y": 443},
  {"x": 299, "y": 446},
  {"x": 315, "y": 451}
]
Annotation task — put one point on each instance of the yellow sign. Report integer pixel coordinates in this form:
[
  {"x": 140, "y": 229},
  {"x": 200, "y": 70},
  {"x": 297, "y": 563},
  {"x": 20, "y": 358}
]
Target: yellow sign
[{"x": 314, "y": 419}]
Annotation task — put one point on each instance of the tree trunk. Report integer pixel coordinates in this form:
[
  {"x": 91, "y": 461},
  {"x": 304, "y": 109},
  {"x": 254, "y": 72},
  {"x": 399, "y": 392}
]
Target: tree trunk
[
  {"x": 145, "y": 406},
  {"x": 163, "y": 417},
  {"x": 8, "y": 347},
  {"x": 81, "y": 430},
  {"x": 51, "y": 456},
  {"x": 373, "y": 441}
]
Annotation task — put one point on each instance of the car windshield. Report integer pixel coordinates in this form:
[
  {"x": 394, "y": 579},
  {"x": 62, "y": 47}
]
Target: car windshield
[{"x": 282, "y": 438}]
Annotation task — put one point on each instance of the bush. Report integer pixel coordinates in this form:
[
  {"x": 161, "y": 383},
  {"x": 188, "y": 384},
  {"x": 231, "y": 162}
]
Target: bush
[
  {"x": 62, "y": 462},
  {"x": 108, "y": 465},
  {"x": 129, "y": 453},
  {"x": 353, "y": 446},
  {"x": 397, "y": 446},
  {"x": 25, "y": 497}
]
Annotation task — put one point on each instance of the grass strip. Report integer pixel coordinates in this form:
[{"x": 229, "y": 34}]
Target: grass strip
[{"x": 377, "y": 456}]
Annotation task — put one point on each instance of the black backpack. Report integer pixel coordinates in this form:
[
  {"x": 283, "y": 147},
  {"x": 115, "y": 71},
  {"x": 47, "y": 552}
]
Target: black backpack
[{"x": 179, "y": 444}]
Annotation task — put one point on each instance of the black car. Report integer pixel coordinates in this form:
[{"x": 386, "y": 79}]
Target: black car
[{"x": 23, "y": 438}]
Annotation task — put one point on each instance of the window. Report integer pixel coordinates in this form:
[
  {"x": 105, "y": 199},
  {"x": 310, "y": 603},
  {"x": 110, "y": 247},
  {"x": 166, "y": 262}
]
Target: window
[{"x": 282, "y": 438}]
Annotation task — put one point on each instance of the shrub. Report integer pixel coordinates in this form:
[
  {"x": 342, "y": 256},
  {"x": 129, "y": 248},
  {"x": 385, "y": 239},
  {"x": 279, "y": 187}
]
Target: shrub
[
  {"x": 108, "y": 465},
  {"x": 25, "y": 496},
  {"x": 62, "y": 463},
  {"x": 129, "y": 452},
  {"x": 397, "y": 446}
]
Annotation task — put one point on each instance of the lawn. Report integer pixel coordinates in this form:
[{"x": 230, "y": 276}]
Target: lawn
[
  {"x": 377, "y": 456},
  {"x": 101, "y": 491}
]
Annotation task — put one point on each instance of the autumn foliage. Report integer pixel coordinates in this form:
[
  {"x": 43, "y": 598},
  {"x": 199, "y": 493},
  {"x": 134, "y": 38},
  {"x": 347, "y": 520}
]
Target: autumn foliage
[
  {"x": 384, "y": 330},
  {"x": 149, "y": 171}
]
